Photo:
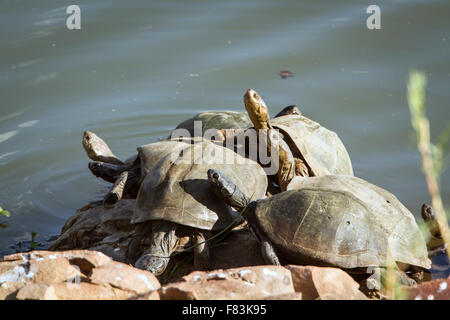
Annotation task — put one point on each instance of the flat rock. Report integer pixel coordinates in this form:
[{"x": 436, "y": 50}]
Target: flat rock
[
  {"x": 253, "y": 282},
  {"x": 318, "y": 283},
  {"x": 438, "y": 289},
  {"x": 74, "y": 274},
  {"x": 125, "y": 277}
]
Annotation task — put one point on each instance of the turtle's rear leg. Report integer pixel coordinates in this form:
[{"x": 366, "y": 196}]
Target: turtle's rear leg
[{"x": 201, "y": 252}]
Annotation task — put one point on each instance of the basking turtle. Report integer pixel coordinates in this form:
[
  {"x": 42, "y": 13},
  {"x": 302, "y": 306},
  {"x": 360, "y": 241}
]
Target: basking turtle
[
  {"x": 221, "y": 124},
  {"x": 200, "y": 123},
  {"x": 435, "y": 241},
  {"x": 126, "y": 175},
  {"x": 332, "y": 220},
  {"x": 316, "y": 150},
  {"x": 175, "y": 201}
]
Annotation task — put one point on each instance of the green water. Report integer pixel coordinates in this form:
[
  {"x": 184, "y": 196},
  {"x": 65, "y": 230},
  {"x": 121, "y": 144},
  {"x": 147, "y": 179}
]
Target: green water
[{"x": 138, "y": 68}]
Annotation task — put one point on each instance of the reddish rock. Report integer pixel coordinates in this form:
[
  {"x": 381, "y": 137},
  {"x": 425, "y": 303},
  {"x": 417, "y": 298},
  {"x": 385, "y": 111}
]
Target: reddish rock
[
  {"x": 153, "y": 295},
  {"x": 72, "y": 291},
  {"x": 324, "y": 283},
  {"x": 254, "y": 282},
  {"x": 72, "y": 275},
  {"x": 287, "y": 296},
  {"x": 97, "y": 228},
  {"x": 438, "y": 289},
  {"x": 125, "y": 277}
]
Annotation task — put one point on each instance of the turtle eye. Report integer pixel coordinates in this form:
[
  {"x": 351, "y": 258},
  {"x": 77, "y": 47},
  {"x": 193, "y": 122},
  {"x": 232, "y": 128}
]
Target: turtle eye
[
  {"x": 216, "y": 176},
  {"x": 225, "y": 192}
]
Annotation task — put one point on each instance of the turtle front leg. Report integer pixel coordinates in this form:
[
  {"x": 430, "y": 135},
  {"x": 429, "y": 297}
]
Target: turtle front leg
[
  {"x": 122, "y": 185},
  {"x": 201, "y": 252},
  {"x": 267, "y": 250},
  {"x": 268, "y": 253},
  {"x": 117, "y": 190},
  {"x": 163, "y": 243}
]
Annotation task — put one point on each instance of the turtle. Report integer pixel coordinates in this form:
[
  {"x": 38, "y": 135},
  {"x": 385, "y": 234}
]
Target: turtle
[
  {"x": 221, "y": 124},
  {"x": 435, "y": 242},
  {"x": 175, "y": 204},
  {"x": 330, "y": 220},
  {"x": 125, "y": 175},
  {"x": 210, "y": 120},
  {"x": 316, "y": 150}
]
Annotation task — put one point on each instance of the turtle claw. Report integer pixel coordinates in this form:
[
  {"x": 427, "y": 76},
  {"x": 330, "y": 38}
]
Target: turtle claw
[{"x": 155, "y": 264}]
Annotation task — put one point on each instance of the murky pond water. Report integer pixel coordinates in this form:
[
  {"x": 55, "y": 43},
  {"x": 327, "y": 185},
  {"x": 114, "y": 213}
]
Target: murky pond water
[{"x": 138, "y": 68}]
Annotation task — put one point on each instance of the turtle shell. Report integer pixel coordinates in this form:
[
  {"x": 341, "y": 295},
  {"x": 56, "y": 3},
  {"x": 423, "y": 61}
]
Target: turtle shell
[
  {"x": 176, "y": 188},
  {"x": 340, "y": 221},
  {"x": 151, "y": 153},
  {"x": 322, "y": 150},
  {"x": 215, "y": 120}
]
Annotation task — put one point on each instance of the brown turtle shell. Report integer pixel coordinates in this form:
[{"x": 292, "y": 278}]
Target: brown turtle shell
[
  {"x": 176, "y": 188},
  {"x": 322, "y": 150},
  {"x": 340, "y": 221},
  {"x": 215, "y": 120}
]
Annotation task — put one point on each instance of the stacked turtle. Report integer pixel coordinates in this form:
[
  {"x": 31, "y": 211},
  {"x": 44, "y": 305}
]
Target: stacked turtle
[
  {"x": 313, "y": 210},
  {"x": 175, "y": 204},
  {"x": 324, "y": 215}
]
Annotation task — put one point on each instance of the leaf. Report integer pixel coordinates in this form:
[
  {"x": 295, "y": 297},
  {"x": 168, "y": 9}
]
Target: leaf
[{"x": 4, "y": 212}]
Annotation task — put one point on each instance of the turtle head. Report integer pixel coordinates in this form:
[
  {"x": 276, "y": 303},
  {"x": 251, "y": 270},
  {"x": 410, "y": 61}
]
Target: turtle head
[
  {"x": 428, "y": 213},
  {"x": 222, "y": 186},
  {"x": 292, "y": 109},
  {"x": 97, "y": 149},
  {"x": 256, "y": 109},
  {"x": 107, "y": 171},
  {"x": 227, "y": 190},
  {"x": 89, "y": 142}
]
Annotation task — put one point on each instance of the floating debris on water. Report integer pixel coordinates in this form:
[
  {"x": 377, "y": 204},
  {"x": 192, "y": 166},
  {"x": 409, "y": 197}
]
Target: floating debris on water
[{"x": 285, "y": 74}]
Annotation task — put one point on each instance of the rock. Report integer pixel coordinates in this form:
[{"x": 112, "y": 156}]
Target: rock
[
  {"x": 324, "y": 283},
  {"x": 71, "y": 291},
  {"x": 75, "y": 274},
  {"x": 109, "y": 231},
  {"x": 287, "y": 296},
  {"x": 153, "y": 295},
  {"x": 94, "y": 227},
  {"x": 254, "y": 282},
  {"x": 125, "y": 277},
  {"x": 438, "y": 289}
]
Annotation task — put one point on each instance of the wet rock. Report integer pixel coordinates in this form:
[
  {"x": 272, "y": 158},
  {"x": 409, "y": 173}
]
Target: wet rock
[
  {"x": 324, "y": 283},
  {"x": 75, "y": 274},
  {"x": 97, "y": 228},
  {"x": 438, "y": 289},
  {"x": 254, "y": 282}
]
